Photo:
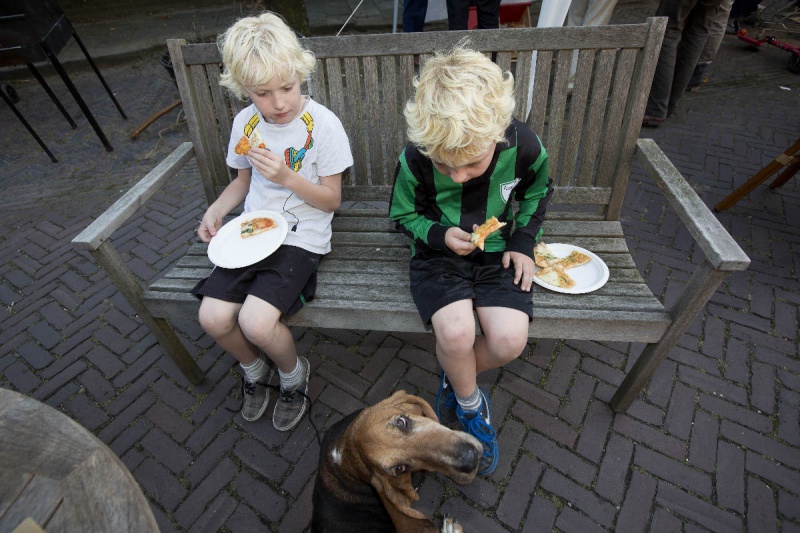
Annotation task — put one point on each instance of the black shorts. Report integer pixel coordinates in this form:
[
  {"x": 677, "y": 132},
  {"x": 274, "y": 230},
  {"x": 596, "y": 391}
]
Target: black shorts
[
  {"x": 438, "y": 280},
  {"x": 287, "y": 279}
]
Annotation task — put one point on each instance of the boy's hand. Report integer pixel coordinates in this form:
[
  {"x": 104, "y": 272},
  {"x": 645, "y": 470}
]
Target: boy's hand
[
  {"x": 459, "y": 241},
  {"x": 269, "y": 164},
  {"x": 523, "y": 269},
  {"x": 209, "y": 225}
]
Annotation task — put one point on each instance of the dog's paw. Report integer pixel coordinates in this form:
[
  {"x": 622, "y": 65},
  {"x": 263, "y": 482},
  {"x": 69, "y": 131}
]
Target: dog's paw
[{"x": 451, "y": 525}]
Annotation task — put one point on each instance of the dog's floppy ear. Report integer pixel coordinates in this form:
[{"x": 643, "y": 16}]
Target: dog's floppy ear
[
  {"x": 398, "y": 493},
  {"x": 420, "y": 406}
]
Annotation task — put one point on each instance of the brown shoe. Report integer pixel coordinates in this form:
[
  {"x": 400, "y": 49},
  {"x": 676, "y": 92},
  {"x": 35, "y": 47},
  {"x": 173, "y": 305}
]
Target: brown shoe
[{"x": 651, "y": 122}]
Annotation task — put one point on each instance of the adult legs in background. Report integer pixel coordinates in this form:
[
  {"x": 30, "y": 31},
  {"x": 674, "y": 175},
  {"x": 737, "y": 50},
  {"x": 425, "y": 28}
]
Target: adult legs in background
[
  {"x": 715, "y": 34},
  {"x": 414, "y": 12},
  {"x": 590, "y": 12},
  {"x": 684, "y": 40},
  {"x": 458, "y": 14},
  {"x": 695, "y": 36},
  {"x": 488, "y": 14}
]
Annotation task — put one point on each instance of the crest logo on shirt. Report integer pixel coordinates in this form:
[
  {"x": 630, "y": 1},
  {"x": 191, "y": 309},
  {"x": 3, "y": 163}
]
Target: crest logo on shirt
[{"x": 507, "y": 188}]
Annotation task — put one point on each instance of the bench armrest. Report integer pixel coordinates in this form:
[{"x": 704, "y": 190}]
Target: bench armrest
[
  {"x": 721, "y": 250},
  {"x": 115, "y": 216}
]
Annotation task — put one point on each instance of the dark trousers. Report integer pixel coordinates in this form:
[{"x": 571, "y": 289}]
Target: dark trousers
[
  {"x": 414, "y": 15},
  {"x": 458, "y": 14},
  {"x": 687, "y": 32}
]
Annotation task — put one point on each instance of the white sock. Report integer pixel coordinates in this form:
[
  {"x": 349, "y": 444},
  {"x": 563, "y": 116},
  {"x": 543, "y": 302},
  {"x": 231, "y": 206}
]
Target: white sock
[
  {"x": 255, "y": 370},
  {"x": 290, "y": 380},
  {"x": 471, "y": 402}
]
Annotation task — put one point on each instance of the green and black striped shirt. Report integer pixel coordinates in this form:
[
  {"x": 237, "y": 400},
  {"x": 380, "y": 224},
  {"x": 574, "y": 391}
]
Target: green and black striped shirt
[{"x": 425, "y": 202}]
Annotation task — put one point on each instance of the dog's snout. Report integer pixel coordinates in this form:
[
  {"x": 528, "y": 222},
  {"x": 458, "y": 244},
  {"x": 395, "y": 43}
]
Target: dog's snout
[{"x": 467, "y": 457}]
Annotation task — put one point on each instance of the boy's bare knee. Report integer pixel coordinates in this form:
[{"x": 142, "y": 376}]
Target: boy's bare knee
[
  {"x": 507, "y": 344},
  {"x": 259, "y": 329},
  {"x": 215, "y": 323},
  {"x": 456, "y": 337}
]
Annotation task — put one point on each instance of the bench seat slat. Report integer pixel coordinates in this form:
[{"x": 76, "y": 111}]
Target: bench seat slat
[
  {"x": 581, "y": 324},
  {"x": 197, "y": 258}
]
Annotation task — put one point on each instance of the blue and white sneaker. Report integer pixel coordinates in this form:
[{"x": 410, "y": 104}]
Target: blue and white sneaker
[
  {"x": 446, "y": 403},
  {"x": 479, "y": 425}
]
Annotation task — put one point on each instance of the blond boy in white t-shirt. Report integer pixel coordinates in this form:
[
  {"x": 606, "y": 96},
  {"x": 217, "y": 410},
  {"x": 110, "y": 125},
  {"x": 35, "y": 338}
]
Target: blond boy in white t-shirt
[{"x": 299, "y": 175}]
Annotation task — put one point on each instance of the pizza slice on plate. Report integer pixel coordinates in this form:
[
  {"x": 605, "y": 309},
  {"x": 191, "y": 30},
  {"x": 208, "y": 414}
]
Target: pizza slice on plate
[
  {"x": 246, "y": 143},
  {"x": 542, "y": 255},
  {"x": 574, "y": 259},
  {"x": 256, "y": 226},
  {"x": 553, "y": 268},
  {"x": 484, "y": 230},
  {"x": 555, "y": 275}
]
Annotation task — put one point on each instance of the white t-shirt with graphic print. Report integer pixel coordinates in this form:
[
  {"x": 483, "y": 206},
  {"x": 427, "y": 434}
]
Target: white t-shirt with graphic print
[{"x": 313, "y": 145}]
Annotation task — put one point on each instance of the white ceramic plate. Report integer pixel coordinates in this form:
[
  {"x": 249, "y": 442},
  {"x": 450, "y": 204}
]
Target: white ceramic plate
[
  {"x": 588, "y": 277},
  {"x": 229, "y": 250}
]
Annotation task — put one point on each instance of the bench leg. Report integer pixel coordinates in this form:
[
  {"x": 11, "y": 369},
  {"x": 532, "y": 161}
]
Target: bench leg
[
  {"x": 698, "y": 291},
  {"x": 127, "y": 284}
]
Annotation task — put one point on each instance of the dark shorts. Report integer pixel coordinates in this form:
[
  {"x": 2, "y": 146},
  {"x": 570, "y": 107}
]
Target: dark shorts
[
  {"x": 287, "y": 279},
  {"x": 438, "y": 280}
]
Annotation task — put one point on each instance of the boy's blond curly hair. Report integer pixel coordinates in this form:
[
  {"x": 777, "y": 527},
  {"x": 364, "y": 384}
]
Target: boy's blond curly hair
[
  {"x": 463, "y": 103},
  {"x": 256, "y": 49}
]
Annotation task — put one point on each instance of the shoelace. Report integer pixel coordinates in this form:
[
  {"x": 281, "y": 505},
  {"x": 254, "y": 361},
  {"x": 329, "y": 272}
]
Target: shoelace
[
  {"x": 481, "y": 431},
  {"x": 289, "y": 396},
  {"x": 250, "y": 388}
]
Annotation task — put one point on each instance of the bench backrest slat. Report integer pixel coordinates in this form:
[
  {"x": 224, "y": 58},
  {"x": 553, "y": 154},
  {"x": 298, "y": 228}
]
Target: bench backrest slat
[{"x": 589, "y": 123}]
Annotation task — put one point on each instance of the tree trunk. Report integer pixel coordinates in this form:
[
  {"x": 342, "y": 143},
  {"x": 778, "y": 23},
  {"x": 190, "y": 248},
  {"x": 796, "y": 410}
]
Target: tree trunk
[{"x": 294, "y": 11}]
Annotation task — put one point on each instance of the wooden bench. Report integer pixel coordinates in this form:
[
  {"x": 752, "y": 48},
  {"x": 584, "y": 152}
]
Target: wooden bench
[{"x": 591, "y": 136}]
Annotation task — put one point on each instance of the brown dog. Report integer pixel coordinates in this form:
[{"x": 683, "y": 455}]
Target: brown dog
[{"x": 364, "y": 478}]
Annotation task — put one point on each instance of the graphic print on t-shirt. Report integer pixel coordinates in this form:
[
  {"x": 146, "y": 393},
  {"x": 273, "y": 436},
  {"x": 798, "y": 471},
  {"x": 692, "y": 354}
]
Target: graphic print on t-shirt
[
  {"x": 294, "y": 158},
  {"x": 251, "y": 124}
]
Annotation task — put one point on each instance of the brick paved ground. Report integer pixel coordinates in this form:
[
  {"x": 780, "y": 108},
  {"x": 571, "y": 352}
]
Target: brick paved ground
[{"x": 711, "y": 445}]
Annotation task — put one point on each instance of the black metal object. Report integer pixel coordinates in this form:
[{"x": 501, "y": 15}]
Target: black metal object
[
  {"x": 25, "y": 123},
  {"x": 37, "y": 30}
]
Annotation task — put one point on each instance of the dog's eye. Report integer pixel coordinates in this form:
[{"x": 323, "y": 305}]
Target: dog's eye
[
  {"x": 399, "y": 469},
  {"x": 403, "y": 423}
]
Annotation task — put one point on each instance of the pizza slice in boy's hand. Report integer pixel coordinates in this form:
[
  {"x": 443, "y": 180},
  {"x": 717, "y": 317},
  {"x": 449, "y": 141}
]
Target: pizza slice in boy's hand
[
  {"x": 484, "y": 230},
  {"x": 246, "y": 143}
]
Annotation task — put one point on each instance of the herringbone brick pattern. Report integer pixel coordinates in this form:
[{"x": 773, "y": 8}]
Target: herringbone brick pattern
[{"x": 711, "y": 445}]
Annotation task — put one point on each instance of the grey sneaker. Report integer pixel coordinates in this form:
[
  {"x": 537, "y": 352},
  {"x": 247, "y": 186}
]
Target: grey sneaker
[
  {"x": 291, "y": 405},
  {"x": 255, "y": 398}
]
